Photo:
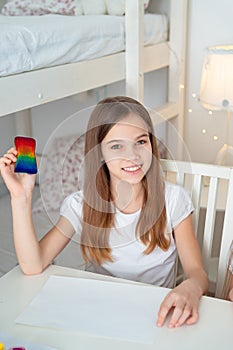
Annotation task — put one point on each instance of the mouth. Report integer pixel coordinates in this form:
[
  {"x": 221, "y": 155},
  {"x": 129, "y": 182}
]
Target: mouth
[{"x": 132, "y": 169}]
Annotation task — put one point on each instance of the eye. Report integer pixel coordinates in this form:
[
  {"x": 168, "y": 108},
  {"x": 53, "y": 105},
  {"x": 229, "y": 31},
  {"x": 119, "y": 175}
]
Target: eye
[
  {"x": 141, "y": 142},
  {"x": 116, "y": 146}
]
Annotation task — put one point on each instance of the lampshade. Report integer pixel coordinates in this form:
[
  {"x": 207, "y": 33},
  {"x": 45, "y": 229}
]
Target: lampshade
[{"x": 216, "y": 90}]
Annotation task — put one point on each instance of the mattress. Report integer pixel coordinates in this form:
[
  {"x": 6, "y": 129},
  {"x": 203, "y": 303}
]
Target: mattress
[{"x": 33, "y": 42}]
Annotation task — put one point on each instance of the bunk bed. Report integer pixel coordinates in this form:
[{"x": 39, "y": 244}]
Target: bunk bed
[
  {"x": 41, "y": 85},
  {"x": 21, "y": 91}
]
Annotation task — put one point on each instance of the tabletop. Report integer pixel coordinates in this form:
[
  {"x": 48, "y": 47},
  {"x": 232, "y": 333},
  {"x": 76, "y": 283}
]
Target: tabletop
[{"x": 214, "y": 328}]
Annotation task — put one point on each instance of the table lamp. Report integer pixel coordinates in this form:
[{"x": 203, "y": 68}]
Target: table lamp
[{"x": 216, "y": 90}]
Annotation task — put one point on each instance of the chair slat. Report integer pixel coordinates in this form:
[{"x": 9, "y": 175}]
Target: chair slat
[
  {"x": 227, "y": 237},
  {"x": 209, "y": 222},
  {"x": 196, "y": 198},
  {"x": 216, "y": 174}
]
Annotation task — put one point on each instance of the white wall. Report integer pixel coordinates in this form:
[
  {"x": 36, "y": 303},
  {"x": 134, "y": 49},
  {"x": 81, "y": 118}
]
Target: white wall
[
  {"x": 47, "y": 118},
  {"x": 210, "y": 23},
  {"x": 51, "y": 118},
  {"x": 7, "y": 132}
]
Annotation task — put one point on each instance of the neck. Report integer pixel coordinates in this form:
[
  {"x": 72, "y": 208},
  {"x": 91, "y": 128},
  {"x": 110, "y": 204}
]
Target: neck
[{"x": 128, "y": 198}]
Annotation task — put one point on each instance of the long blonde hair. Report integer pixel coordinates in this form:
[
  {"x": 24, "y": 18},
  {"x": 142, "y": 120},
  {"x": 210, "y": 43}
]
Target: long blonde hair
[{"x": 98, "y": 214}]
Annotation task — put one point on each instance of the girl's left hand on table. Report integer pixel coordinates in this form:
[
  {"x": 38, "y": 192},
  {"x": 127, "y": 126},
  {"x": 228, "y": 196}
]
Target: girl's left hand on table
[{"x": 184, "y": 300}]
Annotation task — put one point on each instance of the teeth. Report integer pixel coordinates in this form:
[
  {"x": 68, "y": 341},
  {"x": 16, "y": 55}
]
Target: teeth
[{"x": 132, "y": 168}]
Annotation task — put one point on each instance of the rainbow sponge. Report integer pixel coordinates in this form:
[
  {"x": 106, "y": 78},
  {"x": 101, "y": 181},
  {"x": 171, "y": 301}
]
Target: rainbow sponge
[{"x": 26, "y": 161}]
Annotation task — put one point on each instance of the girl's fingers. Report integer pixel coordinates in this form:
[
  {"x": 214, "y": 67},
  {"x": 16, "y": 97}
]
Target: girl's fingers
[
  {"x": 12, "y": 150},
  {"x": 164, "y": 310},
  {"x": 186, "y": 314},
  {"x": 193, "y": 318},
  {"x": 5, "y": 161},
  {"x": 10, "y": 156},
  {"x": 178, "y": 313},
  {"x": 181, "y": 314}
]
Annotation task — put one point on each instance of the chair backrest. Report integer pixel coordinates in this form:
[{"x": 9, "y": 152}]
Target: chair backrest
[{"x": 211, "y": 190}]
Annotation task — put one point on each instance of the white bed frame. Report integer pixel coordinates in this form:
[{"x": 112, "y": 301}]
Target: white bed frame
[{"x": 21, "y": 92}]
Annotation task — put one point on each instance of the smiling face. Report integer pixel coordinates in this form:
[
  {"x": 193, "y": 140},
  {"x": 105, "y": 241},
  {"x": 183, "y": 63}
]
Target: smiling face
[{"x": 127, "y": 150}]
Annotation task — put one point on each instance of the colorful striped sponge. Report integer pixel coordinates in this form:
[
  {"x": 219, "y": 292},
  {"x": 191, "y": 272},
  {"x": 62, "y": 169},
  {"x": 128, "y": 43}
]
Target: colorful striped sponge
[{"x": 26, "y": 160}]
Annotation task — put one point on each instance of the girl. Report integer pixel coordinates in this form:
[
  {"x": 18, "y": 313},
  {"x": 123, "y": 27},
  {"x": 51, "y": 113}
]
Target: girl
[
  {"x": 130, "y": 223},
  {"x": 228, "y": 286}
]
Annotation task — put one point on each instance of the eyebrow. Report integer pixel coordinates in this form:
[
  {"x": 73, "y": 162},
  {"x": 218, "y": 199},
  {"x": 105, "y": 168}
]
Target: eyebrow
[{"x": 120, "y": 140}]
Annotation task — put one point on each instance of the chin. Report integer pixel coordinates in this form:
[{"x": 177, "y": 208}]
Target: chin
[{"x": 134, "y": 181}]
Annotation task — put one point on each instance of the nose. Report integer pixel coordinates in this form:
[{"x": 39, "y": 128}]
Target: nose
[{"x": 132, "y": 153}]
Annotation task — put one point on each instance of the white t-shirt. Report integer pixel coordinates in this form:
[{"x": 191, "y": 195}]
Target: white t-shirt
[{"x": 129, "y": 261}]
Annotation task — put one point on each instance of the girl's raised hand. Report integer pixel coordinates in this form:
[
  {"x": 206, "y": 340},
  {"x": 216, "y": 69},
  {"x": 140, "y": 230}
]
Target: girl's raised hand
[{"x": 18, "y": 184}]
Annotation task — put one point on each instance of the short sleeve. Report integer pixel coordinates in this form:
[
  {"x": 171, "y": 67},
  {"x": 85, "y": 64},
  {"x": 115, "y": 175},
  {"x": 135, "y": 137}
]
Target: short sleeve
[
  {"x": 71, "y": 209},
  {"x": 178, "y": 204}
]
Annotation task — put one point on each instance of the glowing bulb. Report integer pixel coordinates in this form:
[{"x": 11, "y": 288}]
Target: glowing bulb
[
  {"x": 181, "y": 86},
  {"x": 194, "y": 95},
  {"x": 203, "y": 131},
  {"x": 190, "y": 110},
  {"x": 210, "y": 112},
  {"x": 215, "y": 137}
]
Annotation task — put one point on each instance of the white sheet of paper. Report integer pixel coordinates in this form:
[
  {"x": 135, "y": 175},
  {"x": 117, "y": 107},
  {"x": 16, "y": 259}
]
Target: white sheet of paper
[{"x": 96, "y": 308}]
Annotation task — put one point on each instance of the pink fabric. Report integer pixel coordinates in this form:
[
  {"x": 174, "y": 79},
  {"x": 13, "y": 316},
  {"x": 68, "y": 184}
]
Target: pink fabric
[
  {"x": 60, "y": 172},
  {"x": 38, "y": 7},
  {"x": 146, "y": 4},
  {"x": 42, "y": 7}
]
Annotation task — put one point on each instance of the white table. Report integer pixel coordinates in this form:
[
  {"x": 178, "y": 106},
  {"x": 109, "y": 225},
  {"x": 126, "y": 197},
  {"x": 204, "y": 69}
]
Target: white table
[{"x": 213, "y": 331}]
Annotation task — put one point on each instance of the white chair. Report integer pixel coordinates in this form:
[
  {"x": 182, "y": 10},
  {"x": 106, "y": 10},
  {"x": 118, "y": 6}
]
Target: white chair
[{"x": 211, "y": 189}]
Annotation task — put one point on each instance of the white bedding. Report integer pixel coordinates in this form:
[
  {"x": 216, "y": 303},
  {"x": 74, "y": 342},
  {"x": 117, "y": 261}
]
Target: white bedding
[{"x": 33, "y": 42}]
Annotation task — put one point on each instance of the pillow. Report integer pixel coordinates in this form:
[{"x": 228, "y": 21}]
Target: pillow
[
  {"x": 117, "y": 7},
  {"x": 2, "y": 3},
  {"x": 146, "y": 4},
  {"x": 94, "y": 7},
  {"x": 60, "y": 172},
  {"x": 65, "y": 7},
  {"x": 38, "y": 7}
]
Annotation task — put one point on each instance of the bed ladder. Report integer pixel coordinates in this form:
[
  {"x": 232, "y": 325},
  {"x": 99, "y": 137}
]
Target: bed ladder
[{"x": 138, "y": 59}]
